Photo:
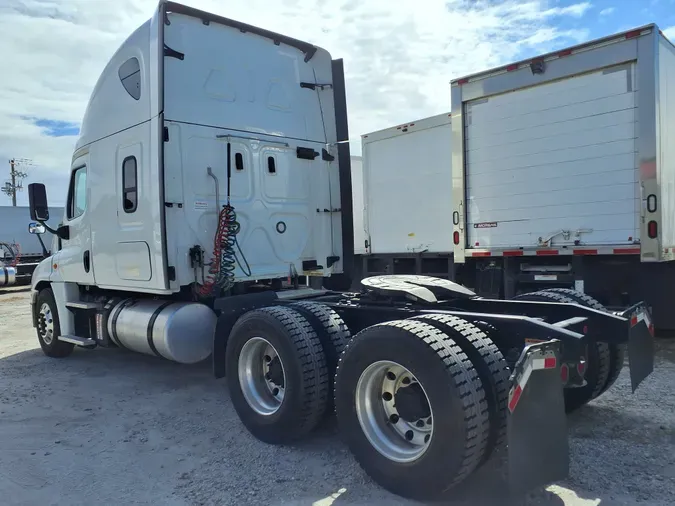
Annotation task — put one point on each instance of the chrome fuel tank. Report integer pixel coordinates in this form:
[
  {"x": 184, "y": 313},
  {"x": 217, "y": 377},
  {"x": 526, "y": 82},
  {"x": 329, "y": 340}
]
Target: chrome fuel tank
[
  {"x": 178, "y": 331},
  {"x": 7, "y": 276}
]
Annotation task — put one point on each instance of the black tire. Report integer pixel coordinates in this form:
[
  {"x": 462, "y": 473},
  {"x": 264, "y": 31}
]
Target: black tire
[
  {"x": 597, "y": 369},
  {"x": 490, "y": 365},
  {"x": 52, "y": 348},
  {"x": 617, "y": 352},
  {"x": 455, "y": 392},
  {"x": 333, "y": 334},
  {"x": 304, "y": 364}
]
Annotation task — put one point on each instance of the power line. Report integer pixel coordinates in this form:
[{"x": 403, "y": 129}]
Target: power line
[{"x": 15, "y": 184}]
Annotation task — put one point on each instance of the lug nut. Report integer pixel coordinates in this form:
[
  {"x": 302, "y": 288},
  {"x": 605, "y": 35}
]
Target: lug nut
[
  {"x": 391, "y": 376},
  {"x": 387, "y": 396},
  {"x": 409, "y": 435},
  {"x": 406, "y": 381},
  {"x": 420, "y": 423},
  {"x": 268, "y": 358},
  {"x": 275, "y": 392},
  {"x": 427, "y": 438},
  {"x": 393, "y": 418}
]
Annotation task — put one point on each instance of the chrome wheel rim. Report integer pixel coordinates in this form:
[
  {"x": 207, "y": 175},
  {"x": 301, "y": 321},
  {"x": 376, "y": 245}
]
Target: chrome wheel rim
[
  {"x": 261, "y": 376},
  {"x": 46, "y": 324},
  {"x": 397, "y": 432}
]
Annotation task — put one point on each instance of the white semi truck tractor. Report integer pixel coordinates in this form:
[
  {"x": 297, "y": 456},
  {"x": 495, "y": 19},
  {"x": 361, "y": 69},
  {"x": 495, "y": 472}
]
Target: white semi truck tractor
[{"x": 212, "y": 174}]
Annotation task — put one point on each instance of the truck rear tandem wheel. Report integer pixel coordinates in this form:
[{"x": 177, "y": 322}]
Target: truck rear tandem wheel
[{"x": 411, "y": 407}]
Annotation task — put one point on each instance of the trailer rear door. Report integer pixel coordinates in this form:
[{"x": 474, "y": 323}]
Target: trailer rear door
[{"x": 554, "y": 161}]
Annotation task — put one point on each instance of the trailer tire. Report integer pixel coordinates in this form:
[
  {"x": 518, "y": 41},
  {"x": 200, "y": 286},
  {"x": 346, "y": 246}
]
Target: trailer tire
[
  {"x": 490, "y": 365},
  {"x": 597, "y": 371},
  {"x": 617, "y": 352},
  {"x": 458, "y": 413},
  {"x": 333, "y": 334},
  {"x": 49, "y": 326},
  {"x": 300, "y": 375}
]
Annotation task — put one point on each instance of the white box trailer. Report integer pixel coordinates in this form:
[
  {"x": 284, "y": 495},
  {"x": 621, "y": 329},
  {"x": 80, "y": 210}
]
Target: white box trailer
[
  {"x": 407, "y": 185},
  {"x": 357, "y": 199},
  {"x": 564, "y": 172}
]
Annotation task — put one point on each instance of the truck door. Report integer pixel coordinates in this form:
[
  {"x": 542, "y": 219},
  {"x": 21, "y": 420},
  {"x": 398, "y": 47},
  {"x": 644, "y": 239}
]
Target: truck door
[{"x": 74, "y": 260}]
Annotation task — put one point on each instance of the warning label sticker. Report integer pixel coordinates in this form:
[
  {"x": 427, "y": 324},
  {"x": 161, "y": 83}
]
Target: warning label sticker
[
  {"x": 201, "y": 204},
  {"x": 485, "y": 224}
]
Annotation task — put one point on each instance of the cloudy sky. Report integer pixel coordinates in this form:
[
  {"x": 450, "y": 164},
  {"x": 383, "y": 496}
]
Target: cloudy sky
[{"x": 399, "y": 55}]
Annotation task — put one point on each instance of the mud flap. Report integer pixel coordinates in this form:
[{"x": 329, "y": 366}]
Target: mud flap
[
  {"x": 640, "y": 344},
  {"x": 538, "y": 448}
]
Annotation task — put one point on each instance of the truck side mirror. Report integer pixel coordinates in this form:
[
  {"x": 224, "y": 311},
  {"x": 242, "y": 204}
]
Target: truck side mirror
[
  {"x": 37, "y": 200},
  {"x": 36, "y": 228}
]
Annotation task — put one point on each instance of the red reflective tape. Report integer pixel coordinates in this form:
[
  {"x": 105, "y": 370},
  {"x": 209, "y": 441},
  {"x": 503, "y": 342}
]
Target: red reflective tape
[
  {"x": 633, "y": 321},
  {"x": 549, "y": 363},
  {"x": 515, "y": 398},
  {"x": 462, "y": 81},
  {"x": 480, "y": 254},
  {"x": 565, "y": 52},
  {"x": 626, "y": 251},
  {"x": 633, "y": 34},
  {"x": 545, "y": 252},
  {"x": 651, "y": 329},
  {"x": 516, "y": 253},
  {"x": 585, "y": 252},
  {"x": 511, "y": 68}
]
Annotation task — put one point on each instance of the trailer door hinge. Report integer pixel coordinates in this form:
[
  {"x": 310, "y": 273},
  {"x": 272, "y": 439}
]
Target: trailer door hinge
[
  {"x": 330, "y": 261},
  {"x": 306, "y": 153},
  {"x": 179, "y": 205},
  {"x": 313, "y": 86},
  {"x": 171, "y": 271},
  {"x": 172, "y": 53},
  {"x": 165, "y": 136}
]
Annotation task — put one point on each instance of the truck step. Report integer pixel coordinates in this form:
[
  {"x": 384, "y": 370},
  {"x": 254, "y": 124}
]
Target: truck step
[
  {"x": 79, "y": 341},
  {"x": 83, "y": 305}
]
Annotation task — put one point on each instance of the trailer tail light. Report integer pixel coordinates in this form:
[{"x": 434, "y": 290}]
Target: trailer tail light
[
  {"x": 633, "y": 34},
  {"x": 455, "y": 237},
  {"x": 652, "y": 229}
]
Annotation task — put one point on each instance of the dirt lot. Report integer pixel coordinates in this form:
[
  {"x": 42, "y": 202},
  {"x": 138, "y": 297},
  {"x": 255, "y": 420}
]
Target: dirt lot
[{"x": 120, "y": 428}]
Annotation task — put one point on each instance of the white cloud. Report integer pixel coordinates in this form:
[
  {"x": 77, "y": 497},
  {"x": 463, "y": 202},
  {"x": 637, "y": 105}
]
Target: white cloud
[
  {"x": 607, "y": 11},
  {"x": 399, "y": 56},
  {"x": 670, "y": 33}
]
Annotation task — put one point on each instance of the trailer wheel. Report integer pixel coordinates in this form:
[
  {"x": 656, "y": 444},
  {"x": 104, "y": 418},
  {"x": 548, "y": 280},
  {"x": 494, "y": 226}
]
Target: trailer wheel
[
  {"x": 411, "y": 408},
  {"x": 617, "y": 352},
  {"x": 332, "y": 332},
  {"x": 281, "y": 386},
  {"x": 490, "y": 365},
  {"x": 597, "y": 371},
  {"x": 49, "y": 326}
]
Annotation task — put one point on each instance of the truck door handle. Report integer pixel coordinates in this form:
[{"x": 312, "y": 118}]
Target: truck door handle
[{"x": 85, "y": 261}]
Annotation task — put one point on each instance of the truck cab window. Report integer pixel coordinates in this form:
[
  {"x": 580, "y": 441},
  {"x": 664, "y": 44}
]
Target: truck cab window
[
  {"x": 130, "y": 75},
  {"x": 129, "y": 184},
  {"x": 77, "y": 202}
]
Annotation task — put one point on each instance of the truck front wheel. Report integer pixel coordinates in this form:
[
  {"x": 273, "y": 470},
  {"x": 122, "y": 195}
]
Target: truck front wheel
[
  {"x": 49, "y": 327},
  {"x": 411, "y": 408}
]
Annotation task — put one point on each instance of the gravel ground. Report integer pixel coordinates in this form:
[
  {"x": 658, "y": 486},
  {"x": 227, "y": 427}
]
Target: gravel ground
[{"x": 119, "y": 428}]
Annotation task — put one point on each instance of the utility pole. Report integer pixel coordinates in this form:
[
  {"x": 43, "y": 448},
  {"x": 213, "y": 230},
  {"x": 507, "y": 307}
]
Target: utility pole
[{"x": 16, "y": 176}]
